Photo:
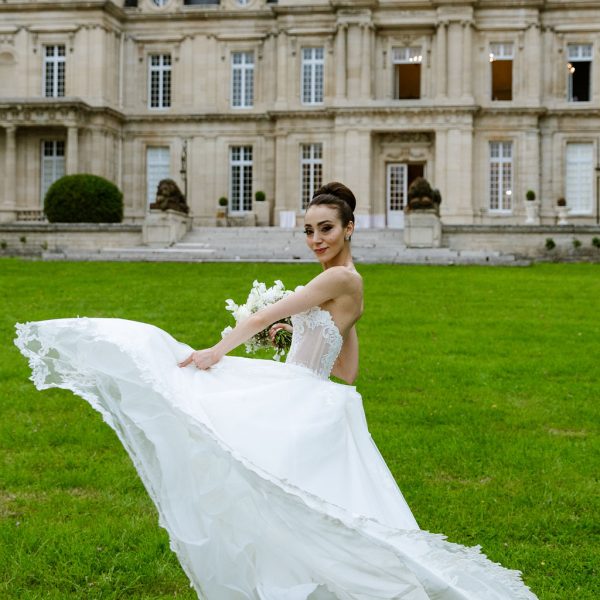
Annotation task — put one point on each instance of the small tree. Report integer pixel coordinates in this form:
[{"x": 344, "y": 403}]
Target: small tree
[{"x": 260, "y": 196}]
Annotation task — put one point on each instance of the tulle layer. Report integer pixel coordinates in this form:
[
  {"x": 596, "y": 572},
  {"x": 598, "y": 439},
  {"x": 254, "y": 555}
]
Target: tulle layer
[{"x": 242, "y": 464}]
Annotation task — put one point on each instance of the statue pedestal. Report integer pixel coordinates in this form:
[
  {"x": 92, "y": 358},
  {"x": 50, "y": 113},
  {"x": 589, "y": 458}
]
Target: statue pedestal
[
  {"x": 163, "y": 228},
  {"x": 422, "y": 229}
]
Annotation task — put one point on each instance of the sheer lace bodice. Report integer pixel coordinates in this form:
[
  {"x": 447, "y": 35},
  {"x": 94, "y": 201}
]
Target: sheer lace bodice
[{"x": 316, "y": 341}]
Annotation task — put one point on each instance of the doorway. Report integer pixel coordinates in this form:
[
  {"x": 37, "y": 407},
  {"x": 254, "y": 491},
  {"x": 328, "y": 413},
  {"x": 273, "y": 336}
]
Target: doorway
[{"x": 399, "y": 176}]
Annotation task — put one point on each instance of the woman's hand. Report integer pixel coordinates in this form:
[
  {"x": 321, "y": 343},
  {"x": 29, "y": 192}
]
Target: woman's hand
[
  {"x": 278, "y": 327},
  {"x": 202, "y": 359}
]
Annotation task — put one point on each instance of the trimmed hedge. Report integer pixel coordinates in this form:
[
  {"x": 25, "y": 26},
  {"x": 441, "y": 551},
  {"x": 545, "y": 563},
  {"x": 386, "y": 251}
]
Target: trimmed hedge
[{"x": 83, "y": 199}]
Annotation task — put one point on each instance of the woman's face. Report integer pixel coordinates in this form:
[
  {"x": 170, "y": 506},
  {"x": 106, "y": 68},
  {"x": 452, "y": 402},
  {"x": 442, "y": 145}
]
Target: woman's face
[{"x": 324, "y": 231}]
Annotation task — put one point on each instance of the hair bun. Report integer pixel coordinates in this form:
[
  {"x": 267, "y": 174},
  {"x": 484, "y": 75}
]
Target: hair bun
[{"x": 339, "y": 190}]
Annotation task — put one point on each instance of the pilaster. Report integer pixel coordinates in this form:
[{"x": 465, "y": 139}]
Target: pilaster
[
  {"x": 72, "y": 150},
  {"x": 341, "y": 61},
  {"x": 441, "y": 51},
  {"x": 10, "y": 174}
]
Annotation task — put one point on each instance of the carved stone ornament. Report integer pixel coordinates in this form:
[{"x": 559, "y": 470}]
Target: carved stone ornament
[{"x": 169, "y": 196}]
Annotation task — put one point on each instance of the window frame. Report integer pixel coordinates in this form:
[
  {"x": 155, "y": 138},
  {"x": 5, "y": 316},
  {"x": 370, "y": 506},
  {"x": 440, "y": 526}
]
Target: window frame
[
  {"x": 406, "y": 55},
  {"x": 52, "y": 71},
  {"x": 151, "y": 193},
  {"x": 579, "y": 57},
  {"x": 243, "y": 199},
  {"x": 57, "y": 173},
  {"x": 501, "y": 160},
  {"x": 163, "y": 87},
  {"x": 592, "y": 177},
  {"x": 501, "y": 51},
  {"x": 316, "y": 93},
  {"x": 247, "y": 79},
  {"x": 311, "y": 162}
]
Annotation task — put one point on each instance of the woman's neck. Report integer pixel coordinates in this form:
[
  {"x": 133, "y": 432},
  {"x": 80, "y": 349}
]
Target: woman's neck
[{"x": 342, "y": 259}]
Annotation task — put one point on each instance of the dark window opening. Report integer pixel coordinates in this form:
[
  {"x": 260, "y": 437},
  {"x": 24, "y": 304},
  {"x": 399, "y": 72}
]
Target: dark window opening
[
  {"x": 199, "y": 2},
  {"x": 407, "y": 84},
  {"x": 414, "y": 170},
  {"x": 579, "y": 81},
  {"x": 502, "y": 79}
]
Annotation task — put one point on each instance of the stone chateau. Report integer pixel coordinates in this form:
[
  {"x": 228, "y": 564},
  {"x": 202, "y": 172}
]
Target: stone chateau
[{"x": 487, "y": 99}]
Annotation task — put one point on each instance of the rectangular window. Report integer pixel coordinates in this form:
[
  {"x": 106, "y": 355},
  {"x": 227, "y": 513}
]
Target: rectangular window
[
  {"x": 242, "y": 79},
  {"x": 159, "y": 80},
  {"x": 54, "y": 71},
  {"x": 311, "y": 163},
  {"x": 580, "y": 178},
  {"x": 52, "y": 164},
  {"x": 313, "y": 63},
  {"x": 158, "y": 167},
  {"x": 501, "y": 176},
  {"x": 501, "y": 61},
  {"x": 407, "y": 73},
  {"x": 240, "y": 180},
  {"x": 579, "y": 68}
]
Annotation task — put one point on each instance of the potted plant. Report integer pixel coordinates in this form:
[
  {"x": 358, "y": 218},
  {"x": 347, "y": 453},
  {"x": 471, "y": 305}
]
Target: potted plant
[
  {"x": 563, "y": 210},
  {"x": 532, "y": 209},
  {"x": 262, "y": 208},
  {"x": 222, "y": 204}
]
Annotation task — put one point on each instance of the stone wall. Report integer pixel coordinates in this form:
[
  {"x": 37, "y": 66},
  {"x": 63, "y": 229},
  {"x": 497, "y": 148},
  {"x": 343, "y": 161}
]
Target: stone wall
[
  {"x": 31, "y": 239},
  {"x": 524, "y": 241}
]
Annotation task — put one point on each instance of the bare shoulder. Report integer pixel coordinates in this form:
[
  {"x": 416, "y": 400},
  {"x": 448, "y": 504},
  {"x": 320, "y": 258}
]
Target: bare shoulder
[{"x": 348, "y": 279}]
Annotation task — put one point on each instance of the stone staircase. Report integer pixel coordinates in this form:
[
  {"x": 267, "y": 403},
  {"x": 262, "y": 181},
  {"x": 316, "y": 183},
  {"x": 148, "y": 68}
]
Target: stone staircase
[{"x": 273, "y": 244}]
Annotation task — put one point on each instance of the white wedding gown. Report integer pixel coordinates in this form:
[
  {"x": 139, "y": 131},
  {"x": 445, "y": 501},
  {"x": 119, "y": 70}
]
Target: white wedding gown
[{"x": 264, "y": 474}]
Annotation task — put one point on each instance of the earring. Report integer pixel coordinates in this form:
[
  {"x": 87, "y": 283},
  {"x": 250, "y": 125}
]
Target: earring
[{"x": 348, "y": 238}]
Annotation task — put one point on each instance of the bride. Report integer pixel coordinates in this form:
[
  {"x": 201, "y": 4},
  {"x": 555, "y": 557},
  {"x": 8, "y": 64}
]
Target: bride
[{"x": 264, "y": 474}]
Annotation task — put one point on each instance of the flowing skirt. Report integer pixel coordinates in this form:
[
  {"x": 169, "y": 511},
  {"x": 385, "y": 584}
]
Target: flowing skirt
[{"x": 264, "y": 475}]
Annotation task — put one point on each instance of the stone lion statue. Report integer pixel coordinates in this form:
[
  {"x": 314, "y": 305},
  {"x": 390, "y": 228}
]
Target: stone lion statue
[{"x": 169, "y": 196}]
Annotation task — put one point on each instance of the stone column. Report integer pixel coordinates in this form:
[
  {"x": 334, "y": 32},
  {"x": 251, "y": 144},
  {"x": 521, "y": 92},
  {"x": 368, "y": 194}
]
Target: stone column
[
  {"x": 467, "y": 83},
  {"x": 340, "y": 58},
  {"x": 441, "y": 48},
  {"x": 72, "y": 149},
  {"x": 281, "y": 100},
  {"x": 365, "y": 63},
  {"x": 10, "y": 173}
]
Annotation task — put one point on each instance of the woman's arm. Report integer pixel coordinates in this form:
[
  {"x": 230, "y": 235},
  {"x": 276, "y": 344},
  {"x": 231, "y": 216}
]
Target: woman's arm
[
  {"x": 346, "y": 365},
  {"x": 329, "y": 284}
]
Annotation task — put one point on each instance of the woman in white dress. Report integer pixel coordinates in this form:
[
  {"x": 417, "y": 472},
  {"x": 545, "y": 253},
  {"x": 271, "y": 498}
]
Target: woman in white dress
[{"x": 264, "y": 474}]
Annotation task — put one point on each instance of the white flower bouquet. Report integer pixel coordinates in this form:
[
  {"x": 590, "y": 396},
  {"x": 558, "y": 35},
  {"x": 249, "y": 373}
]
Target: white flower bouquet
[{"x": 259, "y": 297}]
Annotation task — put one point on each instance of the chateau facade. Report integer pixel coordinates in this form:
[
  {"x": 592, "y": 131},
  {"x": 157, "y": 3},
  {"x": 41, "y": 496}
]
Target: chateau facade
[{"x": 486, "y": 99}]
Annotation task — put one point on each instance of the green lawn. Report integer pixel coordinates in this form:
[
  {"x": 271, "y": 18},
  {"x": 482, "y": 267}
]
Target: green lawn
[{"x": 480, "y": 386}]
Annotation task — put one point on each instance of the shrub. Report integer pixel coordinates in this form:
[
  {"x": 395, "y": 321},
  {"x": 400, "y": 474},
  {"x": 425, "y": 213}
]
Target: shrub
[
  {"x": 550, "y": 244},
  {"x": 223, "y": 201},
  {"x": 530, "y": 195},
  {"x": 576, "y": 243},
  {"x": 3, "y": 245},
  {"x": 596, "y": 242},
  {"x": 260, "y": 196},
  {"x": 561, "y": 202},
  {"x": 83, "y": 199}
]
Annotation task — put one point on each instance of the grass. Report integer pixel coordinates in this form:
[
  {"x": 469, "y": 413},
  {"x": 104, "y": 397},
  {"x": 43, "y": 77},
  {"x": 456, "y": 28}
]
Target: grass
[{"x": 480, "y": 386}]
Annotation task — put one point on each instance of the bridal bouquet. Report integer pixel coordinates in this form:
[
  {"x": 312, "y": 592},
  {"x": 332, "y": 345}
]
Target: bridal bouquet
[{"x": 259, "y": 297}]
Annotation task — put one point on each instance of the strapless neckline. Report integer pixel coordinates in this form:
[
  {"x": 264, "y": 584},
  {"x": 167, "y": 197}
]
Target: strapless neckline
[{"x": 324, "y": 310}]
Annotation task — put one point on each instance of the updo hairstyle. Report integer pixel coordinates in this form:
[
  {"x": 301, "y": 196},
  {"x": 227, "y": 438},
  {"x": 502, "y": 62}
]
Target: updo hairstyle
[{"x": 336, "y": 194}]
